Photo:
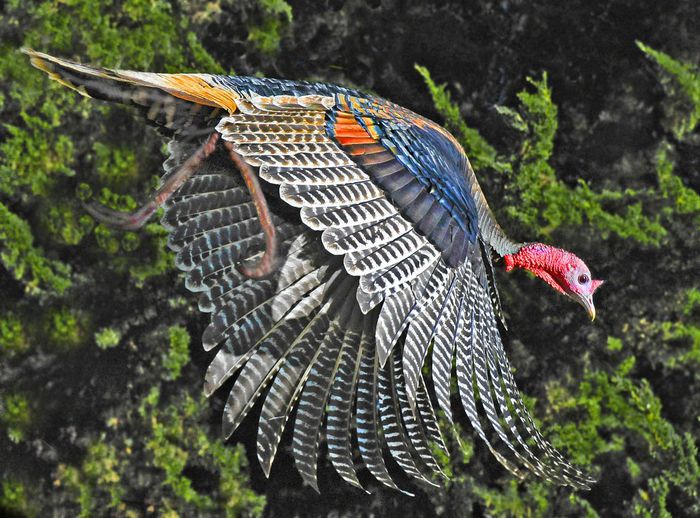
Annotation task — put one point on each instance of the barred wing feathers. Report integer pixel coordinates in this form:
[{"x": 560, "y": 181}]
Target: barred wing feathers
[{"x": 386, "y": 257}]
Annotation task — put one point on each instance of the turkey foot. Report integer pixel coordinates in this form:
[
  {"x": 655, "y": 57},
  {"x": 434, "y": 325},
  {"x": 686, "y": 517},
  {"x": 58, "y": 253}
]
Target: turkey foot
[
  {"x": 269, "y": 261},
  {"x": 137, "y": 219}
]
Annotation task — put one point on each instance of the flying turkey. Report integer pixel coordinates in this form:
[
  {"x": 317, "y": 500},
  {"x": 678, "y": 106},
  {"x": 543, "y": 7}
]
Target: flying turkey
[{"x": 338, "y": 240}]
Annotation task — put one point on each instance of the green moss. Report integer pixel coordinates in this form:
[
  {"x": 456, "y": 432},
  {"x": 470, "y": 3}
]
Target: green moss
[
  {"x": 14, "y": 498},
  {"x": 160, "y": 259},
  {"x": 66, "y": 223},
  {"x": 116, "y": 168},
  {"x": 97, "y": 475},
  {"x": 687, "y": 77},
  {"x": 13, "y": 338},
  {"x": 684, "y": 200},
  {"x": 178, "y": 353},
  {"x": 512, "y": 501},
  {"x": 65, "y": 328},
  {"x": 107, "y": 338},
  {"x": 26, "y": 262},
  {"x": 692, "y": 301},
  {"x": 614, "y": 344},
  {"x": 35, "y": 153},
  {"x": 618, "y": 412},
  {"x": 173, "y": 442},
  {"x": 266, "y": 36},
  {"x": 15, "y": 415}
]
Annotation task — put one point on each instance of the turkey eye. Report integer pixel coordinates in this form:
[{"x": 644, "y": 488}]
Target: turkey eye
[{"x": 583, "y": 278}]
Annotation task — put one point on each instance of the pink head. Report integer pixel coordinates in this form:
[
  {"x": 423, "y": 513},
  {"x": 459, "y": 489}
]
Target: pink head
[{"x": 562, "y": 270}]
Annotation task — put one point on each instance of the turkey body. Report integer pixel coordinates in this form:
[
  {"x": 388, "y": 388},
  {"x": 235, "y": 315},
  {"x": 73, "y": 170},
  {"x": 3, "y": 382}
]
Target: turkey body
[{"x": 386, "y": 242}]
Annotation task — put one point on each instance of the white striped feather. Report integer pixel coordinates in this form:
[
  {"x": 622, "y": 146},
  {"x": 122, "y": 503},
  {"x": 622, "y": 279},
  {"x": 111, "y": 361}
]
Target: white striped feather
[
  {"x": 366, "y": 212},
  {"x": 366, "y": 418},
  {"x": 270, "y": 352},
  {"x": 392, "y": 425},
  {"x": 269, "y": 117},
  {"x": 272, "y": 129},
  {"x": 383, "y": 256},
  {"x": 275, "y": 138},
  {"x": 411, "y": 422},
  {"x": 338, "y": 431},
  {"x": 192, "y": 206},
  {"x": 230, "y": 320},
  {"x": 466, "y": 336},
  {"x": 203, "y": 183},
  {"x": 430, "y": 422},
  {"x": 481, "y": 374},
  {"x": 305, "y": 159},
  {"x": 218, "y": 264},
  {"x": 356, "y": 238},
  {"x": 420, "y": 331},
  {"x": 215, "y": 219},
  {"x": 250, "y": 151},
  {"x": 312, "y": 403},
  {"x": 444, "y": 342},
  {"x": 318, "y": 176},
  {"x": 286, "y": 388},
  {"x": 401, "y": 273},
  {"x": 560, "y": 469},
  {"x": 330, "y": 196},
  {"x": 208, "y": 243},
  {"x": 229, "y": 286}
]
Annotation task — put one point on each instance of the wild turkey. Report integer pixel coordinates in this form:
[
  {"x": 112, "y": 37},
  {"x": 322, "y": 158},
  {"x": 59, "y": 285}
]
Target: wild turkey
[{"x": 374, "y": 252}]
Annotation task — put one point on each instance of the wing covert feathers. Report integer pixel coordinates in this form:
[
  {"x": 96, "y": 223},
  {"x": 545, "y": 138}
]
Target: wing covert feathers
[{"x": 377, "y": 275}]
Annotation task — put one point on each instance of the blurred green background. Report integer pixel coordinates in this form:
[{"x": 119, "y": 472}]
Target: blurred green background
[{"x": 581, "y": 119}]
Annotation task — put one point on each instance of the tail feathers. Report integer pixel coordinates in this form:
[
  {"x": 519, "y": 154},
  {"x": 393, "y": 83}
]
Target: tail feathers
[{"x": 172, "y": 101}]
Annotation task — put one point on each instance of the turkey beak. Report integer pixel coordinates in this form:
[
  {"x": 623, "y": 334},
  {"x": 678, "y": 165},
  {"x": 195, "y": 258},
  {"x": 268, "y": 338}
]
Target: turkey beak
[
  {"x": 588, "y": 304},
  {"x": 587, "y": 300}
]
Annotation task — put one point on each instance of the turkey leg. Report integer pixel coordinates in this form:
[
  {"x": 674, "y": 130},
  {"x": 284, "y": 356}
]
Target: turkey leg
[{"x": 265, "y": 266}]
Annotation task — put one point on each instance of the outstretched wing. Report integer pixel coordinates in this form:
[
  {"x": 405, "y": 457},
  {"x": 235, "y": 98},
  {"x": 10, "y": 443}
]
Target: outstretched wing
[{"x": 383, "y": 260}]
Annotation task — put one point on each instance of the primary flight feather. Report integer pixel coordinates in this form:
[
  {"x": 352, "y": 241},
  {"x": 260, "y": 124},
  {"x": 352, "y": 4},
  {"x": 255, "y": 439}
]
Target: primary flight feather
[{"x": 335, "y": 237}]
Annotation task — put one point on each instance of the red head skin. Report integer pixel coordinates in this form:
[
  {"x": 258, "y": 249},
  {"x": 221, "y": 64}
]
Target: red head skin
[{"x": 562, "y": 270}]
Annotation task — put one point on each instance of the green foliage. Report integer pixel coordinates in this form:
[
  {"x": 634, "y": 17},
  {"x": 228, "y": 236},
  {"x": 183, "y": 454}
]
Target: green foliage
[
  {"x": 98, "y": 474},
  {"x": 544, "y": 202},
  {"x": 106, "y": 338},
  {"x": 277, "y": 14},
  {"x": 684, "y": 199},
  {"x": 174, "y": 439},
  {"x": 14, "y": 498},
  {"x": 512, "y": 501},
  {"x": 13, "y": 338},
  {"x": 38, "y": 155},
  {"x": 687, "y": 76},
  {"x": 619, "y": 413},
  {"x": 65, "y": 224},
  {"x": 480, "y": 152},
  {"x": 26, "y": 262},
  {"x": 15, "y": 415},
  {"x": 535, "y": 196},
  {"x": 65, "y": 328},
  {"x": 178, "y": 353},
  {"x": 165, "y": 439},
  {"x": 115, "y": 167}
]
